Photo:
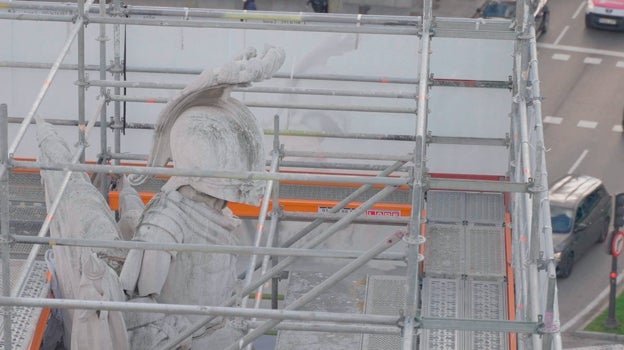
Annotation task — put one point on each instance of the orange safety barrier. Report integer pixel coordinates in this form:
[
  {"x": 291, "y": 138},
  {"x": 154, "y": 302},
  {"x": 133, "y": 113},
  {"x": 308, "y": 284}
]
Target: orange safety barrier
[
  {"x": 292, "y": 205},
  {"x": 35, "y": 342},
  {"x": 511, "y": 294}
]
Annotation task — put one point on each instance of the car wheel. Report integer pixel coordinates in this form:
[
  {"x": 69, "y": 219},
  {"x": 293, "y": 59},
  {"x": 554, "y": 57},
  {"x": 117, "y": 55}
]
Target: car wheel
[
  {"x": 545, "y": 22},
  {"x": 565, "y": 269},
  {"x": 605, "y": 231},
  {"x": 587, "y": 22}
]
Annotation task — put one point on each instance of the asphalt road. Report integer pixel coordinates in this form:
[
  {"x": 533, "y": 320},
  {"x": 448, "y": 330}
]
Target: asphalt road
[{"x": 582, "y": 82}]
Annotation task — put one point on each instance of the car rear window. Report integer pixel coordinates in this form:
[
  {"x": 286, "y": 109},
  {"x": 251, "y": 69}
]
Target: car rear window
[{"x": 561, "y": 219}]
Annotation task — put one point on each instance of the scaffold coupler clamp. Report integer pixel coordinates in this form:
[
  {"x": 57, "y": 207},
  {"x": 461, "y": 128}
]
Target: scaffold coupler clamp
[
  {"x": 413, "y": 239},
  {"x": 7, "y": 239},
  {"x": 547, "y": 324}
]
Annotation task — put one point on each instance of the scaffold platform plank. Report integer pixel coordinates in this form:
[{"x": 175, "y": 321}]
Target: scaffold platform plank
[
  {"x": 24, "y": 319},
  {"x": 464, "y": 268}
]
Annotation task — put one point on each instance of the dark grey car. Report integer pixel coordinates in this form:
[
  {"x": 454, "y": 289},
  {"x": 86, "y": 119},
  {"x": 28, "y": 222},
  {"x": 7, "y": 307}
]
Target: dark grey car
[{"x": 580, "y": 209}]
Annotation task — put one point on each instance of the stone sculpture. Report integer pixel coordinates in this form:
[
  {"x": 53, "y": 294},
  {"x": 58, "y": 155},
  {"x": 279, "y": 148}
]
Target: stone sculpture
[
  {"x": 82, "y": 213},
  {"x": 203, "y": 127}
]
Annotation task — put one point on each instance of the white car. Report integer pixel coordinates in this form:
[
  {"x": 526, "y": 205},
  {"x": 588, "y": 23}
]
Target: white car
[{"x": 605, "y": 14}]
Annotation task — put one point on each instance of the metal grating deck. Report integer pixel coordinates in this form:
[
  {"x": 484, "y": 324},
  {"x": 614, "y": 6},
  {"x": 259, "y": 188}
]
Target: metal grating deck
[
  {"x": 471, "y": 207},
  {"x": 485, "y": 251},
  {"x": 24, "y": 319},
  {"x": 346, "y": 296},
  {"x": 385, "y": 295},
  {"x": 466, "y": 299},
  {"x": 464, "y": 268},
  {"x": 444, "y": 253},
  {"x": 446, "y": 206},
  {"x": 465, "y": 235},
  {"x": 485, "y": 208},
  {"x": 488, "y": 303},
  {"x": 456, "y": 250},
  {"x": 441, "y": 298}
]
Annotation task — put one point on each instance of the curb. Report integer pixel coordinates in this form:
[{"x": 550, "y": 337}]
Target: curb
[
  {"x": 593, "y": 309},
  {"x": 618, "y": 338}
]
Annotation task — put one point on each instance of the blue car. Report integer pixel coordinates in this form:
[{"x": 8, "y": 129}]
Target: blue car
[{"x": 507, "y": 9}]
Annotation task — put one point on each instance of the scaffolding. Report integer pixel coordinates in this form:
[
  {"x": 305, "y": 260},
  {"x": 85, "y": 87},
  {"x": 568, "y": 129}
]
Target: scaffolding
[{"x": 414, "y": 318}]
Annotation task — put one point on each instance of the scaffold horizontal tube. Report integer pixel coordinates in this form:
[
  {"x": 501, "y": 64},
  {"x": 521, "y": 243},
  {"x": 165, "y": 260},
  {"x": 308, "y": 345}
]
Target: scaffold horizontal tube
[
  {"x": 327, "y": 107},
  {"x": 260, "y": 89},
  {"x": 385, "y": 220},
  {"x": 196, "y": 71},
  {"x": 201, "y": 310},
  {"x": 338, "y": 155},
  {"x": 480, "y": 325},
  {"x": 36, "y": 17},
  {"x": 332, "y": 327},
  {"x": 227, "y": 14},
  {"x": 204, "y": 248},
  {"x": 298, "y": 133},
  {"x": 250, "y": 175},
  {"x": 481, "y": 141},
  {"x": 237, "y": 24},
  {"x": 478, "y": 185}
]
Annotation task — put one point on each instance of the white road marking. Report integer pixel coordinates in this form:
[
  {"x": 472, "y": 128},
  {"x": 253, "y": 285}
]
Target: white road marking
[
  {"x": 579, "y": 9},
  {"x": 587, "y": 124},
  {"x": 561, "y": 56},
  {"x": 585, "y": 50},
  {"x": 553, "y": 120},
  {"x": 565, "y": 29},
  {"x": 620, "y": 64},
  {"x": 592, "y": 60},
  {"x": 617, "y": 128},
  {"x": 578, "y": 162}
]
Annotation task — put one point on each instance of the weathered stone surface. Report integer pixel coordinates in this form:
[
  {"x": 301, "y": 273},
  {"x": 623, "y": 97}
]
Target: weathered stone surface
[{"x": 202, "y": 128}]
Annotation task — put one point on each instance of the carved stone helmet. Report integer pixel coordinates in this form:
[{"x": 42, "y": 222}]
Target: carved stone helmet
[
  {"x": 223, "y": 136},
  {"x": 203, "y": 127}
]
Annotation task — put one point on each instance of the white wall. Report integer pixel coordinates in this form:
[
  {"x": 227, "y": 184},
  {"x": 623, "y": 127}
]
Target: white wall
[{"x": 454, "y": 111}]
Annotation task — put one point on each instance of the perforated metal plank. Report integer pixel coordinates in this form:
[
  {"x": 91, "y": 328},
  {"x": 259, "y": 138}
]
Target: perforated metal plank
[
  {"x": 485, "y": 251},
  {"x": 385, "y": 295},
  {"x": 487, "y": 301},
  {"x": 468, "y": 299},
  {"x": 451, "y": 206},
  {"x": 444, "y": 250},
  {"x": 446, "y": 206},
  {"x": 25, "y": 187},
  {"x": 24, "y": 319},
  {"x": 485, "y": 208},
  {"x": 441, "y": 298},
  {"x": 345, "y": 296}
]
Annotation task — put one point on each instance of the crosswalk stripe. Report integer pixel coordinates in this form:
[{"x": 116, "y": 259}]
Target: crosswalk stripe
[
  {"x": 592, "y": 60},
  {"x": 553, "y": 120},
  {"x": 587, "y": 124},
  {"x": 560, "y": 56}
]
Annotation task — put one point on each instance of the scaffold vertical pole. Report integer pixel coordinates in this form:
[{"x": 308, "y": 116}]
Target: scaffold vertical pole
[
  {"x": 414, "y": 233},
  {"x": 4, "y": 221},
  {"x": 103, "y": 139},
  {"x": 117, "y": 64},
  {"x": 551, "y": 318},
  {"x": 81, "y": 79}
]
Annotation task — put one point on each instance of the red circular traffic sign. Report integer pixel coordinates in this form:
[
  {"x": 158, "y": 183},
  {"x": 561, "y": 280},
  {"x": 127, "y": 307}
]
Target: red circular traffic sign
[{"x": 617, "y": 244}]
